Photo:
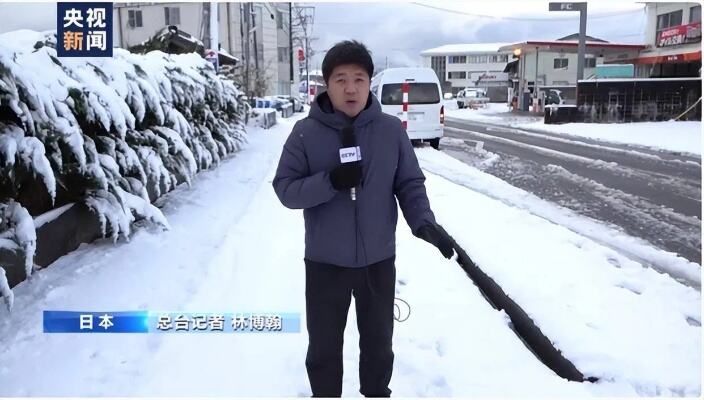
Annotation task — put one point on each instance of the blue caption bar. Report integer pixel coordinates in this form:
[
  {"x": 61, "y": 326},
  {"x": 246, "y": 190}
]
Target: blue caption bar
[{"x": 169, "y": 322}]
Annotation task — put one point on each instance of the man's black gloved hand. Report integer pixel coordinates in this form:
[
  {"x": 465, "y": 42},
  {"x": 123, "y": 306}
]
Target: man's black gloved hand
[
  {"x": 436, "y": 237},
  {"x": 346, "y": 176}
]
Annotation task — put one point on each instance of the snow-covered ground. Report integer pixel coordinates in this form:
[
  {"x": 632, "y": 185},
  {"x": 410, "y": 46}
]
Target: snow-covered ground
[
  {"x": 678, "y": 136},
  {"x": 233, "y": 247}
]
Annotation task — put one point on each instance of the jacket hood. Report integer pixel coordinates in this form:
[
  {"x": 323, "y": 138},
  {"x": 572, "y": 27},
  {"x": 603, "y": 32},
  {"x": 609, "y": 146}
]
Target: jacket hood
[{"x": 322, "y": 110}]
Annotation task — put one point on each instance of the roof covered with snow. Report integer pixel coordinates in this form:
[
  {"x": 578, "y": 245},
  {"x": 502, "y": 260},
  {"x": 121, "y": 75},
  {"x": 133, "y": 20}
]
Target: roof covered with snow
[{"x": 463, "y": 48}]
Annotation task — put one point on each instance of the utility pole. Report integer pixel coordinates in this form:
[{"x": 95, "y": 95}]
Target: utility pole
[
  {"x": 204, "y": 32},
  {"x": 290, "y": 47},
  {"x": 254, "y": 37},
  {"x": 215, "y": 33},
  {"x": 247, "y": 17},
  {"x": 306, "y": 18}
]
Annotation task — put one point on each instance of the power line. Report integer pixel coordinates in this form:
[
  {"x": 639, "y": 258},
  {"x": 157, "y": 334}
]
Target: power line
[{"x": 536, "y": 19}]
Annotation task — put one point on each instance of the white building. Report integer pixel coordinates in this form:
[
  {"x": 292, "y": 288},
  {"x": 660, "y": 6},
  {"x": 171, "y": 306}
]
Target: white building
[
  {"x": 673, "y": 37},
  {"x": 134, "y": 23},
  {"x": 470, "y": 65}
]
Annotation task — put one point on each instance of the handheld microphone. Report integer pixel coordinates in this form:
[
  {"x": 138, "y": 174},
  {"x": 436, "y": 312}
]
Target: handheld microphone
[{"x": 350, "y": 152}]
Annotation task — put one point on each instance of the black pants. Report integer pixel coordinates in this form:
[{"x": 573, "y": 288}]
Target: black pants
[{"x": 328, "y": 295}]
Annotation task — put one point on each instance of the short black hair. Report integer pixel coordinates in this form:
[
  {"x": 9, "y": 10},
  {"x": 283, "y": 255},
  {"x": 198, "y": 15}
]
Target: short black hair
[{"x": 347, "y": 52}]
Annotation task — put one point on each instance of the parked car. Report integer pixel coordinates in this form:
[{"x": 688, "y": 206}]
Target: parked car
[
  {"x": 425, "y": 113},
  {"x": 553, "y": 96},
  {"x": 471, "y": 98},
  {"x": 295, "y": 101}
]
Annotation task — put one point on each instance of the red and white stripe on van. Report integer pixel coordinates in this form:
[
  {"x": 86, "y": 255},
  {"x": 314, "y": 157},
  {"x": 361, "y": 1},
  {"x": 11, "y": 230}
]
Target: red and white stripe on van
[{"x": 404, "y": 116}]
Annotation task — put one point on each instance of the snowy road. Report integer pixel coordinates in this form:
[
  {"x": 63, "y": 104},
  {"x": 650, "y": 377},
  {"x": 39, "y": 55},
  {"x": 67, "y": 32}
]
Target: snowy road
[
  {"x": 649, "y": 194},
  {"x": 233, "y": 247}
]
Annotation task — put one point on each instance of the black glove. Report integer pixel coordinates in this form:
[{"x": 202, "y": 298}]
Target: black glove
[
  {"x": 346, "y": 176},
  {"x": 438, "y": 238}
]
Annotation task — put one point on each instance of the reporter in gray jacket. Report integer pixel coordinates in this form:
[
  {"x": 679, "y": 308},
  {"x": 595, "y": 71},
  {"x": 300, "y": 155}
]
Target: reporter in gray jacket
[{"x": 350, "y": 244}]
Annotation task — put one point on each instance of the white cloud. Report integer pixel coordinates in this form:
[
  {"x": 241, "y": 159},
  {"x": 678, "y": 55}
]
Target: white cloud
[{"x": 400, "y": 30}]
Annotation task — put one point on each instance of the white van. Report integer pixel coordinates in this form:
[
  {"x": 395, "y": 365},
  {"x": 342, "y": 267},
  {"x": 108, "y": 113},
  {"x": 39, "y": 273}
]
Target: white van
[{"x": 426, "y": 113}]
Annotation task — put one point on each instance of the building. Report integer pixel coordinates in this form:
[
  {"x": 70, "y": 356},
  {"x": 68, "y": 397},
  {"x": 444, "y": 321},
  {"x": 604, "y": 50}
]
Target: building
[
  {"x": 673, "y": 37},
  {"x": 470, "y": 65},
  {"x": 546, "y": 65},
  {"x": 134, "y": 23}
]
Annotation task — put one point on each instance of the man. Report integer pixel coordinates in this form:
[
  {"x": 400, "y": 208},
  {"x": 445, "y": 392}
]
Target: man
[{"x": 350, "y": 238}]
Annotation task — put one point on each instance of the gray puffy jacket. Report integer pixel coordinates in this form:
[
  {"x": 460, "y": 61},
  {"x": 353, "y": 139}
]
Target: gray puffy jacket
[{"x": 340, "y": 231}]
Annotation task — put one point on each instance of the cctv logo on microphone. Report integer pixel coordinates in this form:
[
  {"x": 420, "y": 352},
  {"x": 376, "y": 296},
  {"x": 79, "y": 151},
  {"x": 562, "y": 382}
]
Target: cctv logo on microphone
[{"x": 350, "y": 154}]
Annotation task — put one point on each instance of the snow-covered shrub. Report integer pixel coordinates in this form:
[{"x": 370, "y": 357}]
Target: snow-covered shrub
[
  {"x": 7, "y": 295},
  {"x": 17, "y": 232},
  {"x": 113, "y": 133}
]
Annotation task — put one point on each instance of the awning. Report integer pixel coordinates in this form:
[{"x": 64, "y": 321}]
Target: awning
[
  {"x": 665, "y": 59},
  {"x": 225, "y": 58},
  {"x": 511, "y": 66}
]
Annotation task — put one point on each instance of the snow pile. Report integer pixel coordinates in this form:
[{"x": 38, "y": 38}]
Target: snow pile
[
  {"x": 113, "y": 133},
  {"x": 677, "y": 136},
  {"x": 674, "y": 136}
]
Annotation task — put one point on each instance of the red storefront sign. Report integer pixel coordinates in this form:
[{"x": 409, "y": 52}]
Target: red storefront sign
[{"x": 680, "y": 34}]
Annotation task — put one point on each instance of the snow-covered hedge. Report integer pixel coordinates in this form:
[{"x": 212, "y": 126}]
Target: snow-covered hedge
[{"x": 114, "y": 133}]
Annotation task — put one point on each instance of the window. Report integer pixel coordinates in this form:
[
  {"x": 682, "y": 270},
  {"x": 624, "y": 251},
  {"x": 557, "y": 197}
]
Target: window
[
  {"x": 457, "y": 75},
  {"x": 438, "y": 65},
  {"x": 559, "y": 63},
  {"x": 134, "y": 18},
  {"x": 172, "y": 15},
  {"x": 283, "y": 55},
  {"x": 695, "y": 14},
  {"x": 418, "y": 93},
  {"x": 669, "y": 20},
  {"x": 498, "y": 58},
  {"x": 279, "y": 19},
  {"x": 477, "y": 59},
  {"x": 457, "y": 59},
  {"x": 590, "y": 62}
]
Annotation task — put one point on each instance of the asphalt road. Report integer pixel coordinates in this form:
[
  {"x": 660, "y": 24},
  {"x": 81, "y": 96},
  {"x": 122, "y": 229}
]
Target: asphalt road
[{"x": 650, "y": 194}]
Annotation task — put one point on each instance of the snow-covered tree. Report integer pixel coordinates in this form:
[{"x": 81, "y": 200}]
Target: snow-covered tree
[{"x": 113, "y": 133}]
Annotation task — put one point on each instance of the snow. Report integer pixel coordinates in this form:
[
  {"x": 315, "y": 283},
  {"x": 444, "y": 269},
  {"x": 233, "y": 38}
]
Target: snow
[
  {"x": 497, "y": 113},
  {"x": 51, "y": 215},
  {"x": 7, "y": 295},
  {"x": 463, "y": 48},
  {"x": 16, "y": 225},
  {"x": 31, "y": 154},
  {"x": 566, "y": 282},
  {"x": 675, "y": 136},
  {"x": 491, "y": 186},
  {"x": 121, "y": 102},
  {"x": 233, "y": 247}
]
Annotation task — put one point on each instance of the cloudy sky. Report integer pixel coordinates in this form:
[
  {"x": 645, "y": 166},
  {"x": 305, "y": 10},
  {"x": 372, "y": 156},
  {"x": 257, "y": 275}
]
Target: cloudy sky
[{"x": 398, "y": 31}]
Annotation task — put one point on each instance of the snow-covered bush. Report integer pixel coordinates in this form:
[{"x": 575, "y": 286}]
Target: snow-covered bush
[
  {"x": 113, "y": 133},
  {"x": 17, "y": 235}
]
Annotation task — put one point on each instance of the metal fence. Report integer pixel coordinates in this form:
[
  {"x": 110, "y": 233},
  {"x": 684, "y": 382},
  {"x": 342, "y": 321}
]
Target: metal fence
[{"x": 632, "y": 100}]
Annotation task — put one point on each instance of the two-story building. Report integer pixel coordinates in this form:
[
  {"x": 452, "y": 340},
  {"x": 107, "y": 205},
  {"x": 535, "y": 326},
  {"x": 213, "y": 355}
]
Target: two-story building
[
  {"x": 134, "y": 23},
  {"x": 480, "y": 65},
  {"x": 673, "y": 42}
]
